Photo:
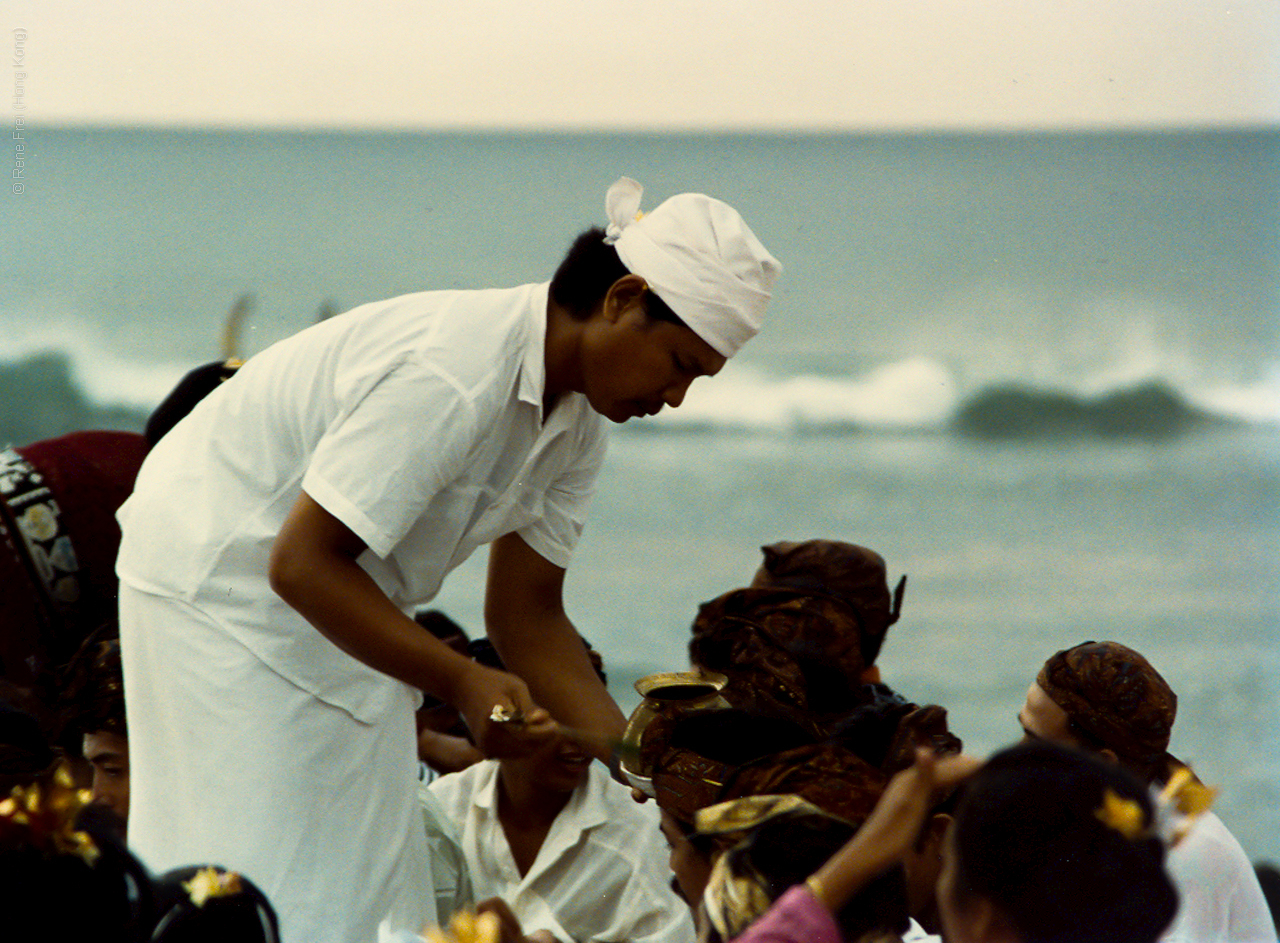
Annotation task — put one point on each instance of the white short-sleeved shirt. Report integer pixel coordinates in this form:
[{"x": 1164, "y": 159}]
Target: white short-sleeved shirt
[
  {"x": 1220, "y": 898},
  {"x": 416, "y": 421},
  {"x": 601, "y": 874}
]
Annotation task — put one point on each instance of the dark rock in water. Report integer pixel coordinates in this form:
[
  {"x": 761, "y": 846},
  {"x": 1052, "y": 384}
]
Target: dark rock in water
[
  {"x": 39, "y": 399},
  {"x": 1149, "y": 411}
]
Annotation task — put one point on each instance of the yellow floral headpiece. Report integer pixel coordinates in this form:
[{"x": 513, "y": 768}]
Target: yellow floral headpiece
[
  {"x": 1182, "y": 800},
  {"x": 466, "y": 927},
  {"x": 210, "y": 882},
  {"x": 48, "y": 814}
]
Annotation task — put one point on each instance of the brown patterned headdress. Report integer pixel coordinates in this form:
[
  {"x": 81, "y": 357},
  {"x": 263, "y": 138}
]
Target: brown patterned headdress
[
  {"x": 1114, "y": 695},
  {"x": 852, "y": 574}
]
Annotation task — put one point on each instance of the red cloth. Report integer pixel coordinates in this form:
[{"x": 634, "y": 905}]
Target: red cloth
[{"x": 76, "y": 482}]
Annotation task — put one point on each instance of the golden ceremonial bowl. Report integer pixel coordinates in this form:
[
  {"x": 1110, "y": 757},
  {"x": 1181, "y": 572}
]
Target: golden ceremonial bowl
[{"x": 666, "y": 695}]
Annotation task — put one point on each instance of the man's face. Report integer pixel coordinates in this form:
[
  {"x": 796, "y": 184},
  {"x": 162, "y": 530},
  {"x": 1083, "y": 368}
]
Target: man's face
[
  {"x": 1042, "y": 719},
  {"x": 108, "y": 754},
  {"x": 559, "y": 767},
  {"x": 633, "y": 365}
]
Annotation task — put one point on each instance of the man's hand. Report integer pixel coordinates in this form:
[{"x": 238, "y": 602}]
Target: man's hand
[
  {"x": 478, "y": 690},
  {"x": 510, "y": 930}
]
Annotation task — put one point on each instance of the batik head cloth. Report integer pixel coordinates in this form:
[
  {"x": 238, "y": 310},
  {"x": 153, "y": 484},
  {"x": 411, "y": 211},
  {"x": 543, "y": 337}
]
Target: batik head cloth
[
  {"x": 699, "y": 256},
  {"x": 1114, "y": 695}
]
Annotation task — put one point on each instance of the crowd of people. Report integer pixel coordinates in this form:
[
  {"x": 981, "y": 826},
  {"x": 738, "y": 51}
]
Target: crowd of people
[
  {"x": 272, "y": 739},
  {"x": 775, "y": 790}
]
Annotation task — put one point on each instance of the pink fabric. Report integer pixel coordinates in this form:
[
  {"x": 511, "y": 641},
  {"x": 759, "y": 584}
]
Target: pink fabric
[{"x": 795, "y": 917}]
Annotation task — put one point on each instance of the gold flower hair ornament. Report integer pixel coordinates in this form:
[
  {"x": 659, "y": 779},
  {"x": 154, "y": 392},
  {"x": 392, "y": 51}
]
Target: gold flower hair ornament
[
  {"x": 47, "y": 815},
  {"x": 208, "y": 883},
  {"x": 736, "y": 816},
  {"x": 466, "y": 927},
  {"x": 1177, "y": 806},
  {"x": 1182, "y": 800},
  {"x": 1123, "y": 815}
]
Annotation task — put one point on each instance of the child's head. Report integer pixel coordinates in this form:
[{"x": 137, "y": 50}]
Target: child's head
[
  {"x": 784, "y": 851},
  {"x": 208, "y": 904},
  {"x": 63, "y": 873},
  {"x": 1036, "y": 851}
]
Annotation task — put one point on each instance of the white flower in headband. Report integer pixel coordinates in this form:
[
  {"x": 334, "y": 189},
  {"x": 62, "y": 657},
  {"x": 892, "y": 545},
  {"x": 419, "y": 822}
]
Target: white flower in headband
[{"x": 622, "y": 206}]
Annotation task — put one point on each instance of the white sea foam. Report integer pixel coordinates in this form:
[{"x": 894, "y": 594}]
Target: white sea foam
[
  {"x": 1256, "y": 402},
  {"x": 103, "y": 376},
  {"x": 913, "y": 393}
]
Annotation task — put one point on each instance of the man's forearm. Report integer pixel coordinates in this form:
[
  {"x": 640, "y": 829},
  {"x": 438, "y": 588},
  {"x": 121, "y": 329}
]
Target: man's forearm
[{"x": 546, "y": 651}]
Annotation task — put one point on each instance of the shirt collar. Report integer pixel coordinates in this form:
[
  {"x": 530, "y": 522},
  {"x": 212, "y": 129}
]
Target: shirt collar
[
  {"x": 585, "y": 810},
  {"x": 485, "y": 795},
  {"x": 533, "y": 370}
]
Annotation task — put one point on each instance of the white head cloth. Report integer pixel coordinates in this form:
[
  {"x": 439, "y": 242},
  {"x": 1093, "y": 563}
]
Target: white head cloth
[{"x": 698, "y": 255}]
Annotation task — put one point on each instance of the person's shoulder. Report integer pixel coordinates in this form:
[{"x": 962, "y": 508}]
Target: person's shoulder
[
  {"x": 479, "y": 337},
  {"x": 1208, "y": 862},
  {"x": 1210, "y": 835},
  {"x": 452, "y": 789}
]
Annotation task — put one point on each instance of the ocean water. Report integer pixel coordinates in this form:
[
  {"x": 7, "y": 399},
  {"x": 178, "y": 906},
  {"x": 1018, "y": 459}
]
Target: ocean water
[{"x": 1040, "y": 374}]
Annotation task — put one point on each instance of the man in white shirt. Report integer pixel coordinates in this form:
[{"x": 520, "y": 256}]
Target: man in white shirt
[
  {"x": 1106, "y": 698},
  {"x": 281, "y": 534},
  {"x": 565, "y": 847}
]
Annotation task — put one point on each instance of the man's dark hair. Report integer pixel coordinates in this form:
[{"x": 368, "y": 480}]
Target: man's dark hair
[
  {"x": 588, "y": 272},
  {"x": 93, "y": 689}
]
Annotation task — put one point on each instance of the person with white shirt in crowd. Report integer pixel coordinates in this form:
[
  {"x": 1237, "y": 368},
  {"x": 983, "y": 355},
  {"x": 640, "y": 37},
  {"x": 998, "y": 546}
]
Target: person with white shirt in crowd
[
  {"x": 1105, "y": 698},
  {"x": 565, "y": 847}
]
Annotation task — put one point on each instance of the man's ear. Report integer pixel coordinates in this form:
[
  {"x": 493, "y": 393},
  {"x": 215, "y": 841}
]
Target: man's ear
[
  {"x": 624, "y": 294},
  {"x": 1109, "y": 755}
]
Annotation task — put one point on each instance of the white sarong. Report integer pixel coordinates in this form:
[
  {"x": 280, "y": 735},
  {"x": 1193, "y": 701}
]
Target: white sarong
[{"x": 315, "y": 807}]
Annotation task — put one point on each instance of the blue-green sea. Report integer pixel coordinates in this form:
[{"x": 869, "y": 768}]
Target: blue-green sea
[{"x": 1038, "y": 373}]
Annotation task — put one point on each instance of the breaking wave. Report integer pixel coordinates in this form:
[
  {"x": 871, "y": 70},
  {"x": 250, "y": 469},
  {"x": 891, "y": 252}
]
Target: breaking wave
[
  {"x": 923, "y": 395},
  {"x": 49, "y": 392}
]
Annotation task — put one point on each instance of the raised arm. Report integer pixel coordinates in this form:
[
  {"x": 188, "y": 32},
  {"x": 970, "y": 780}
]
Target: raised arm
[
  {"x": 526, "y": 621},
  {"x": 313, "y": 568}
]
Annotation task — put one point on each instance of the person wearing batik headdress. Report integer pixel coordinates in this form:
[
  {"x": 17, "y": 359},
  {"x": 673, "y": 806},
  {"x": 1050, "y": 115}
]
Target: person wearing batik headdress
[
  {"x": 729, "y": 759},
  {"x": 801, "y": 642},
  {"x": 1107, "y": 699},
  {"x": 281, "y": 534}
]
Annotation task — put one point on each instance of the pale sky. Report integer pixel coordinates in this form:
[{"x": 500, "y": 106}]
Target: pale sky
[{"x": 651, "y": 64}]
